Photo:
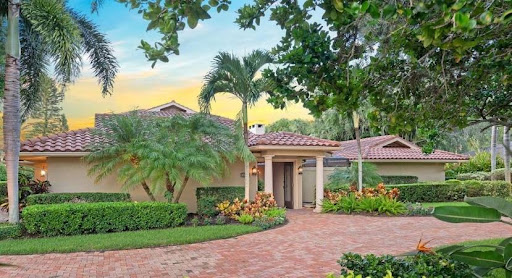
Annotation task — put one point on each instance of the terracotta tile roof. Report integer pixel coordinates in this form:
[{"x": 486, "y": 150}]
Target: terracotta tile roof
[
  {"x": 80, "y": 140},
  {"x": 71, "y": 141},
  {"x": 289, "y": 139},
  {"x": 392, "y": 147}
]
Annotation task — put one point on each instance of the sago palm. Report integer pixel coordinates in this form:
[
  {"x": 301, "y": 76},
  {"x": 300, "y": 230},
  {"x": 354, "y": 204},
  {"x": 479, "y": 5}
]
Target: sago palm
[
  {"x": 236, "y": 76},
  {"x": 116, "y": 152},
  {"x": 40, "y": 33}
]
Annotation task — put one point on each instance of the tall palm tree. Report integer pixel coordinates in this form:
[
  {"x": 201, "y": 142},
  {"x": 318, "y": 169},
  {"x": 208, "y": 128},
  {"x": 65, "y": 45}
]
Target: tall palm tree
[
  {"x": 40, "y": 33},
  {"x": 235, "y": 76}
]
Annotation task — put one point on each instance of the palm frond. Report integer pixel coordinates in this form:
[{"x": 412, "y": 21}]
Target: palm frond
[
  {"x": 101, "y": 56},
  {"x": 59, "y": 33}
]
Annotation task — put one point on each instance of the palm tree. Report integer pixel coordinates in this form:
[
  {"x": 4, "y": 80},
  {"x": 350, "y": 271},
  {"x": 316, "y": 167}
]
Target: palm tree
[
  {"x": 170, "y": 164},
  {"x": 493, "y": 149},
  {"x": 506, "y": 151},
  {"x": 40, "y": 33},
  {"x": 122, "y": 136},
  {"x": 235, "y": 76}
]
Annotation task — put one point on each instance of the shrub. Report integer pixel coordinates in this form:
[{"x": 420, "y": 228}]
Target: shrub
[
  {"x": 220, "y": 220},
  {"x": 452, "y": 191},
  {"x": 481, "y": 162},
  {"x": 3, "y": 189},
  {"x": 26, "y": 189},
  {"x": 399, "y": 179},
  {"x": 9, "y": 231},
  {"x": 417, "y": 209},
  {"x": 262, "y": 202},
  {"x": 85, "y": 197},
  {"x": 380, "y": 204},
  {"x": 209, "y": 197},
  {"x": 89, "y": 218},
  {"x": 245, "y": 218},
  {"x": 481, "y": 176},
  {"x": 498, "y": 174},
  {"x": 349, "y": 175},
  {"x": 421, "y": 265}
]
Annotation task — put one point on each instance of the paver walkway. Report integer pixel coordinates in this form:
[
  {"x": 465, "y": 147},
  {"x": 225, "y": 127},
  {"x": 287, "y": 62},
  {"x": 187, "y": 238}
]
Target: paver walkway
[{"x": 308, "y": 246}]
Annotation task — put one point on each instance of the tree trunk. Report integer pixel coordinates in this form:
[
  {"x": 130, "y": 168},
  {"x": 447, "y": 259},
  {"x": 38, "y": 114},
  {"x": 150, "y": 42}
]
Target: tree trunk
[
  {"x": 247, "y": 181},
  {"x": 493, "y": 149},
  {"x": 355, "y": 117},
  {"x": 169, "y": 186},
  {"x": 180, "y": 190},
  {"x": 148, "y": 191},
  {"x": 506, "y": 154},
  {"x": 12, "y": 117}
]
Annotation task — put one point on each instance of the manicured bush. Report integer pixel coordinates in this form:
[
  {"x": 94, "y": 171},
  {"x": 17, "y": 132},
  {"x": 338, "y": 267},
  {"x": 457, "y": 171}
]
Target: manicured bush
[
  {"x": 481, "y": 176},
  {"x": 85, "y": 197},
  {"x": 498, "y": 174},
  {"x": 399, "y": 179},
  {"x": 262, "y": 203},
  {"x": 481, "y": 162},
  {"x": 451, "y": 191},
  {"x": 209, "y": 197},
  {"x": 271, "y": 218},
  {"x": 421, "y": 265},
  {"x": 9, "y": 231},
  {"x": 90, "y": 218}
]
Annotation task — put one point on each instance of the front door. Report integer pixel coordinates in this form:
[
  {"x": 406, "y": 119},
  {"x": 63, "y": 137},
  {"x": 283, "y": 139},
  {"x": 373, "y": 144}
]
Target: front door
[{"x": 288, "y": 184}]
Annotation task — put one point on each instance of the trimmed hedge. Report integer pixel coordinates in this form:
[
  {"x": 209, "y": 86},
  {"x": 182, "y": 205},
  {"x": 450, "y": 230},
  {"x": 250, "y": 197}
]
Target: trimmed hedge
[
  {"x": 209, "y": 197},
  {"x": 399, "y": 179},
  {"x": 85, "y": 197},
  {"x": 3, "y": 189},
  {"x": 451, "y": 191},
  {"x": 90, "y": 218},
  {"x": 9, "y": 231}
]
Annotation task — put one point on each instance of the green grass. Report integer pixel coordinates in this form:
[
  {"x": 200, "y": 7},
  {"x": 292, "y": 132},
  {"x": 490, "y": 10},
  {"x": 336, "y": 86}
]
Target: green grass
[
  {"x": 122, "y": 240},
  {"x": 499, "y": 273},
  {"x": 435, "y": 205}
]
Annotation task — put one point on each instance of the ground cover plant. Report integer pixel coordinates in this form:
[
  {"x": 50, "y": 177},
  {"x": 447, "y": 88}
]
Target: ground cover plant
[
  {"x": 377, "y": 200},
  {"x": 262, "y": 212}
]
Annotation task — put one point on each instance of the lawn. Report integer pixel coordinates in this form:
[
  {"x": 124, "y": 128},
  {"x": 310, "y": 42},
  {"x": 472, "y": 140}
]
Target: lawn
[
  {"x": 499, "y": 273},
  {"x": 122, "y": 240},
  {"x": 435, "y": 205}
]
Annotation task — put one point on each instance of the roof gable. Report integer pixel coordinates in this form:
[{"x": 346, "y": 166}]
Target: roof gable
[{"x": 172, "y": 106}]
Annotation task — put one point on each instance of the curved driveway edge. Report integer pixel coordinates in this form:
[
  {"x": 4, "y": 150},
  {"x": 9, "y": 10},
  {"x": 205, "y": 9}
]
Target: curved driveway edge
[{"x": 308, "y": 246}]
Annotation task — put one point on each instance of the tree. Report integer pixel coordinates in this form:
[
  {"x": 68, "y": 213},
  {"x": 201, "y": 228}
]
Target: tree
[
  {"x": 149, "y": 151},
  {"x": 40, "y": 31},
  {"x": 47, "y": 113},
  {"x": 506, "y": 153},
  {"x": 117, "y": 152},
  {"x": 237, "y": 77},
  {"x": 298, "y": 126},
  {"x": 169, "y": 164},
  {"x": 350, "y": 175},
  {"x": 493, "y": 149}
]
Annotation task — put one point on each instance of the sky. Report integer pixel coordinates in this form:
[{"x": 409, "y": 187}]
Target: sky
[{"x": 139, "y": 86}]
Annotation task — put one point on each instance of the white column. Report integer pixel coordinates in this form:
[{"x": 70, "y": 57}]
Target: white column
[
  {"x": 269, "y": 175},
  {"x": 319, "y": 183},
  {"x": 247, "y": 180}
]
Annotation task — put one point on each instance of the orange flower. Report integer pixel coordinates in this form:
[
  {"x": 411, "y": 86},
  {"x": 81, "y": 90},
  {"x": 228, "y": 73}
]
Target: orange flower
[{"x": 421, "y": 247}]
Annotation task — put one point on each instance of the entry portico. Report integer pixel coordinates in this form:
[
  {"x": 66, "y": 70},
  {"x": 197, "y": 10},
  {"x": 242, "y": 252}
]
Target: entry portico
[{"x": 279, "y": 164}]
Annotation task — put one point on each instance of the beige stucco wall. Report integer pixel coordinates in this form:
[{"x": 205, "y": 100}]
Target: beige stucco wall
[
  {"x": 424, "y": 171},
  {"x": 69, "y": 174},
  {"x": 309, "y": 182}
]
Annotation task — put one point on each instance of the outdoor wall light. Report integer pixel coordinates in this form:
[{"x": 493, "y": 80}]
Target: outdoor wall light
[
  {"x": 43, "y": 173},
  {"x": 300, "y": 169},
  {"x": 254, "y": 171}
]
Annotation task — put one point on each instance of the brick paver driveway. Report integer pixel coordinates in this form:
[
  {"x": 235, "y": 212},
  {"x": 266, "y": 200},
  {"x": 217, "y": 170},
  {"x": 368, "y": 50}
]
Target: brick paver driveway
[{"x": 308, "y": 246}]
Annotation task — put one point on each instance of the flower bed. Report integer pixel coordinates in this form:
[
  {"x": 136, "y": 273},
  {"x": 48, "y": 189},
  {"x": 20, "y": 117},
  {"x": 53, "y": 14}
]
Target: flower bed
[{"x": 377, "y": 200}]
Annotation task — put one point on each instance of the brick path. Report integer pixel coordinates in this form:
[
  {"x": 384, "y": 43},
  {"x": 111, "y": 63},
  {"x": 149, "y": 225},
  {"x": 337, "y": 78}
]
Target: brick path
[{"x": 308, "y": 246}]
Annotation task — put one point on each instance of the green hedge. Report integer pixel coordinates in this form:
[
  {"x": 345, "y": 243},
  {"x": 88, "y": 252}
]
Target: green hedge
[
  {"x": 85, "y": 197},
  {"x": 90, "y": 218},
  {"x": 9, "y": 231},
  {"x": 451, "y": 191},
  {"x": 399, "y": 179},
  {"x": 3, "y": 189},
  {"x": 209, "y": 197}
]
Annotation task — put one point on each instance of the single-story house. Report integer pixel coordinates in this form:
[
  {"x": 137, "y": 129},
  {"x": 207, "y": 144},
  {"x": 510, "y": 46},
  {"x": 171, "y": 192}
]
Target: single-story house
[{"x": 58, "y": 158}]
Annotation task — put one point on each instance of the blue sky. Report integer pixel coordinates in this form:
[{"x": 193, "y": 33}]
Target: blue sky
[{"x": 140, "y": 86}]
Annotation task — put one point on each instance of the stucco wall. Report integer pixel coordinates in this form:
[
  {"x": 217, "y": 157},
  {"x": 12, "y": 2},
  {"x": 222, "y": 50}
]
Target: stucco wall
[
  {"x": 68, "y": 174},
  {"x": 424, "y": 171},
  {"x": 309, "y": 182}
]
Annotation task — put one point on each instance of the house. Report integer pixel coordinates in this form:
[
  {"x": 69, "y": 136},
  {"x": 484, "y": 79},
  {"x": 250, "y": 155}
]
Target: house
[
  {"x": 58, "y": 158},
  {"x": 395, "y": 156}
]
